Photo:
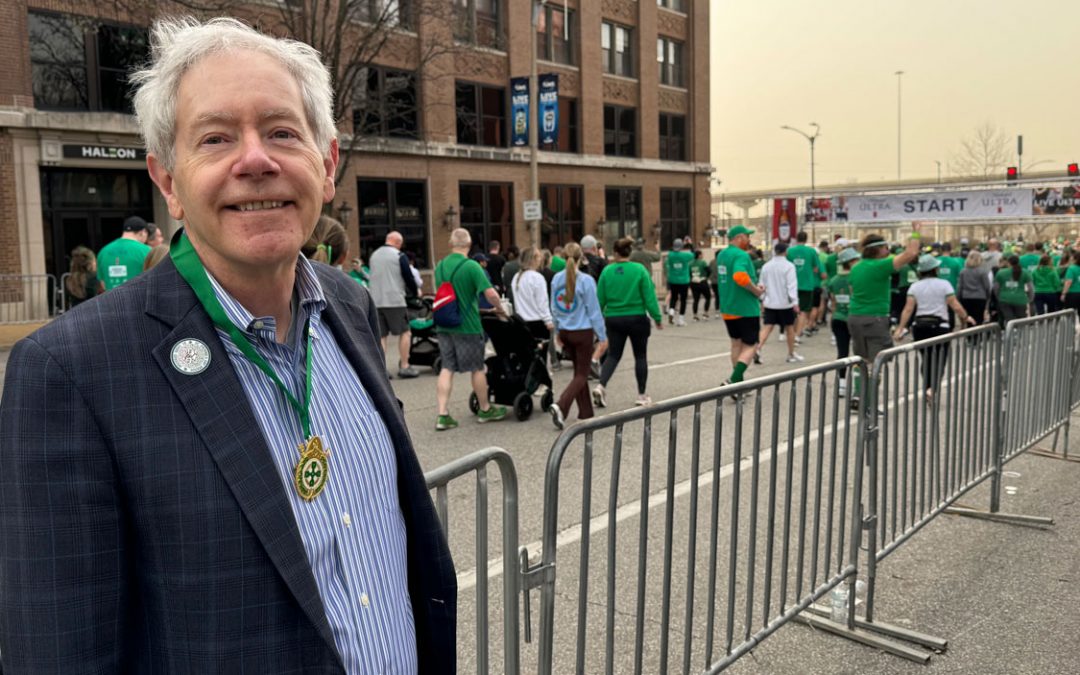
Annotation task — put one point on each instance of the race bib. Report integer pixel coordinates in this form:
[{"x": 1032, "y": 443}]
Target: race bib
[
  {"x": 722, "y": 269},
  {"x": 117, "y": 271},
  {"x": 843, "y": 299},
  {"x": 799, "y": 262},
  {"x": 1011, "y": 284}
]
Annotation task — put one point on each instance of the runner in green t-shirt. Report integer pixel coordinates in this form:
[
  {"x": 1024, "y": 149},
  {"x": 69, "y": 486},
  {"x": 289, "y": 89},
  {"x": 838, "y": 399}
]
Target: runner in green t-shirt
[
  {"x": 809, "y": 273},
  {"x": 1047, "y": 286},
  {"x": 950, "y": 265},
  {"x": 122, "y": 259},
  {"x": 739, "y": 300},
  {"x": 1014, "y": 291},
  {"x": 868, "y": 314},
  {"x": 677, "y": 269},
  {"x": 1030, "y": 260},
  {"x": 840, "y": 301},
  {"x": 1070, "y": 292},
  {"x": 461, "y": 348}
]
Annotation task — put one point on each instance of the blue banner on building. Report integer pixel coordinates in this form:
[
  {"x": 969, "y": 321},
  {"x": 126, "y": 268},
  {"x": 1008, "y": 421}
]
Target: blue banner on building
[
  {"x": 548, "y": 85},
  {"x": 519, "y": 111}
]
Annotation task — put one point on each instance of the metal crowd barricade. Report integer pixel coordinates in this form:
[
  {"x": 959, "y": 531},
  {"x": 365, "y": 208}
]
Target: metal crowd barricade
[
  {"x": 60, "y": 299},
  {"x": 439, "y": 480},
  {"x": 1038, "y": 363},
  {"x": 771, "y": 542},
  {"x": 26, "y": 298},
  {"x": 1065, "y": 322}
]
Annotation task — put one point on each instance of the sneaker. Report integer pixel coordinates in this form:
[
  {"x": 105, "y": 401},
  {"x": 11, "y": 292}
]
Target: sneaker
[
  {"x": 557, "y": 416},
  {"x": 407, "y": 373},
  {"x": 798, "y": 340},
  {"x": 795, "y": 357},
  {"x": 599, "y": 396},
  {"x": 841, "y": 390},
  {"x": 643, "y": 400},
  {"x": 780, "y": 337},
  {"x": 757, "y": 358},
  {"x": 680, "y": 321},
  {"x": 697, "y": 318},
  {"x": 444, "y": 422},
  {"x": 492, "y": 414},
  {"x": 704, "y": 317},
  {"x": 671, "y": 315}
]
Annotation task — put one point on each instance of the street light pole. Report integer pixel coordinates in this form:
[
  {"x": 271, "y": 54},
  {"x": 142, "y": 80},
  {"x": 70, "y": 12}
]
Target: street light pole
[
  {"x": 534, "y": 132},
  {"x": 817, "y": 132},
  {"x": 899, "y": 98},
  {"x": 938, "y": 162}
]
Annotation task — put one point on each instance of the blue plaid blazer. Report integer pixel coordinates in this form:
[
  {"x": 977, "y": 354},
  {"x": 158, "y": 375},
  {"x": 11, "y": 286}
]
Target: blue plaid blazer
[{"x": 143, "y": 525}]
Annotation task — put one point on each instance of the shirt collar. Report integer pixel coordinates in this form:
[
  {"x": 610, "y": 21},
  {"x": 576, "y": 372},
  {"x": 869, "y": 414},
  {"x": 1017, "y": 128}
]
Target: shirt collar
[{"x": 308, "y": 290}]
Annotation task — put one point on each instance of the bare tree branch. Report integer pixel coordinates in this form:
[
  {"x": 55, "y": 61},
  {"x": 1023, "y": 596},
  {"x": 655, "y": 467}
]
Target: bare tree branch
[{"x": 984, "y": 154}]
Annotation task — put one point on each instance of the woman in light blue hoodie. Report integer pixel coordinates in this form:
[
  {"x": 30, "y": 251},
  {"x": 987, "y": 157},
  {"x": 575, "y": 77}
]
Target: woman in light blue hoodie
[{"x": 576, "y": 314}]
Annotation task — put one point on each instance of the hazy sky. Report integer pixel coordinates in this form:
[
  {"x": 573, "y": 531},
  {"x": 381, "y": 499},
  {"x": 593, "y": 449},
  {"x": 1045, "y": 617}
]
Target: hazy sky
[{"x": 967, "y": 62}]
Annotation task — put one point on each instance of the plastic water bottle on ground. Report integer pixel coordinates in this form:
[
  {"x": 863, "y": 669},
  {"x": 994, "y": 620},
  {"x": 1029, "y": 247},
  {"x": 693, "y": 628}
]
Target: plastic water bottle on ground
[{"x": 838, "y": 600}]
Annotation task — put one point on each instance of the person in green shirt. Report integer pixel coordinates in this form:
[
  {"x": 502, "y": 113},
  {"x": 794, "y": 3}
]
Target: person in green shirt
[
  {"x": 627, "y": 299},
  {"x": 739, "y": 300},
  {"x": 699, "y": 284},
  {"x": 461, "y": 347},
  {"x": 808, "y": 272},
  {"x": 558, "y": 263},
  {"x": 1070, "y": 291},
  {"x": 1030, "y": 260},
  {"x": 677, "y": 267},
  {"x": 121, "y": 260},
  {"x": 840, "y": 300},
  {"x": 360, "y": 273},
  {"x": 1047, "y": 285},
  {"x": 902, "y": 279},
  {"x": 1014, "y": 291},
  {"x": 868, "y": 313},
  {"x": 951, "y": 266}
]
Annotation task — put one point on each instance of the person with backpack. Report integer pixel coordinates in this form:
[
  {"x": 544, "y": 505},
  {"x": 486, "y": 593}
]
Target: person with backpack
[{"x": 458, "y": 282}]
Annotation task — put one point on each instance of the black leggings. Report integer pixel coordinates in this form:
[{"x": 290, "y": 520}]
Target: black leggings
[
  {"x": 715, "y": 298},
  {"x": 975, "y": 308},
  {"x": 678, "y": 295},
  {"x": 933, "y": 358},
  {"x": 843, "y": 338},
  {"x": 1046, "y": 303},
  {"x": 701, "y": 292},
  {"x": 637, "y": 328}
]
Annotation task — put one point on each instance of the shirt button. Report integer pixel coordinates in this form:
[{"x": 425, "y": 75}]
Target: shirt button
[
  {"x": 258, "y": 325},
  {"x": 346, "y": 519},
  {"x": 364, "y": 600}
]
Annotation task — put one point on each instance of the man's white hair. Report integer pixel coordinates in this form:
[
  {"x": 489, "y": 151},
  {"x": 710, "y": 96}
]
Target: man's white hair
[
  {"x": 177, "y": 44},
  {"x": 460, "y": 238}
]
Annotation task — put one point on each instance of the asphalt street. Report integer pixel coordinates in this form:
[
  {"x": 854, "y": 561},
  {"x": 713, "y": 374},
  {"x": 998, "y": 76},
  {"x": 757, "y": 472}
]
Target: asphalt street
[{"x": 1004, "y": 596}]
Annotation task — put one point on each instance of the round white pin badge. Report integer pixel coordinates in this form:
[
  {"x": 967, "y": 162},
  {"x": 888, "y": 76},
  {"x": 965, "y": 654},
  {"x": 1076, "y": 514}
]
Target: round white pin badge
[{"x": 190, "y": 356}]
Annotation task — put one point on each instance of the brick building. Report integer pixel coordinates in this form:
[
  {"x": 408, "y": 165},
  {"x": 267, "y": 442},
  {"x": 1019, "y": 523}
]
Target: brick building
[{"x": 432, "y": 145}]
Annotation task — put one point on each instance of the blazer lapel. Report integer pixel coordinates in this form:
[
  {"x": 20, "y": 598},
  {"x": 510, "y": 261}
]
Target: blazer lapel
[{"x": 219, "y": 411}]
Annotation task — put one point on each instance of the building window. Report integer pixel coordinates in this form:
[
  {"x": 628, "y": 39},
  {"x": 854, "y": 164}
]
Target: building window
[
  {"x": 385, "y": 104},
  {"x": 677, "y": 5},
  {"x": 487, "y": 212},
  {"x": 479, "y": 22},
  {"x": 81, "y": 64},
  {"x": 385, "y": 13},
  {"x": 564, "y": 215},
  {"x": 674, "y": 216},
  {"x": 389, "y": 205},
  {"x": 481, "y": 115},
  {"x": 555, "y": 35},
  {"x": 568, "y": 127},
  {"x": 673, "y": 137},
  {"x": 669, "y": 56},
  {"x": 620, "y": 131},
  {"x": 617, "y": 49},
  {"x": 622, "y": 214}
]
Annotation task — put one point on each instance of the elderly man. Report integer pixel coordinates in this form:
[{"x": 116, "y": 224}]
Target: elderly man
[
  {"x": 226, "y": 485},
  {"x": 391, "y": 281}
]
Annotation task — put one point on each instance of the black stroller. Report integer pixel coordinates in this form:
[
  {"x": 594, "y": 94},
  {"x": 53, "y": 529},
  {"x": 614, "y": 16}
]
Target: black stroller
[
  {"x": 518, "y": 368},
  {"x": 424, "y": 346}
]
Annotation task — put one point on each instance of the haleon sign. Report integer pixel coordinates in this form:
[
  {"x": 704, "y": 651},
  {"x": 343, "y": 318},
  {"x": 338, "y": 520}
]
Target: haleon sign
[
  {"x": 940, "y": 205},
  {"x": 103, "y": 152}
]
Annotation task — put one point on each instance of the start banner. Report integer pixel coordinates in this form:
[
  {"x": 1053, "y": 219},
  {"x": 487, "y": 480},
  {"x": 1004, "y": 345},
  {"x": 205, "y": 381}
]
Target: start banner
[{"x": 940, "y": 205}]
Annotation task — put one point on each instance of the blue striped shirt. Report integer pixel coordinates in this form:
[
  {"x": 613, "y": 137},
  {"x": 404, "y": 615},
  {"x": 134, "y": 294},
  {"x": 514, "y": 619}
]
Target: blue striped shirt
[{"x": 353, "y": 533}]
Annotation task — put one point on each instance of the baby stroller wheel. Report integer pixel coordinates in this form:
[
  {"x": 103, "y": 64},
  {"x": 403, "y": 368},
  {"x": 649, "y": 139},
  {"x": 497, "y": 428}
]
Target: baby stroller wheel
[
  {"x": 523, "y": 406},
  {"x": 474, "y": 403},
  {"x": 546, "y": 400},
  {"x": 436, "y": 365}
]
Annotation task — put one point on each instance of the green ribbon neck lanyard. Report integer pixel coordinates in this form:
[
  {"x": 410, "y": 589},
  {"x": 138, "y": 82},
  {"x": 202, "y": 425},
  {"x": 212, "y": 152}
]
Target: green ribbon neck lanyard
[{"x": 191, "y": 269}]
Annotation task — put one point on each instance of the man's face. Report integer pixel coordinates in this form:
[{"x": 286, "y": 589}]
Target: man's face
[
  {"x": 248, "y": 180},
  {"x": 742, "y": 241}
]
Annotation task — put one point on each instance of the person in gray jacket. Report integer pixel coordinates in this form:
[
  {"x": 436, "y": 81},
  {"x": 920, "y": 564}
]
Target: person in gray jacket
[
  {"x": 391, "y": 282},
  {"x": 974, "y": 287}
]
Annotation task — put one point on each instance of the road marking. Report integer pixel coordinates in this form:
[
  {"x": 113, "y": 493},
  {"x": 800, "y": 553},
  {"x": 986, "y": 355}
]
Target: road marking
[{"x": 683, "y": 362}]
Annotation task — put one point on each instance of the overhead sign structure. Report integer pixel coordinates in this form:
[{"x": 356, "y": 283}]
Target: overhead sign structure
[
  {"x": 519, "y": 111},
  {"x": 940, "y": 206},
  {"x": 533, "y": 209},
  {"x": 1057, "y": 200}
]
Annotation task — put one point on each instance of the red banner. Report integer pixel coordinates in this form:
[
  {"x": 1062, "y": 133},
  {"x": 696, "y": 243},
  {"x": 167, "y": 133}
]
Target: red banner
[{"x": 784, "y": 220}]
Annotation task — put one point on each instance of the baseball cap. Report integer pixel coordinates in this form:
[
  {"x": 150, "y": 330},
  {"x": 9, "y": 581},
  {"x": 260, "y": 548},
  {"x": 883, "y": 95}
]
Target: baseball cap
[
  {"x": 739, "y": 229},
  {"x": 847, "y": 255},
  {"x": 927, "y": 263},
  {"x": 480, "y": 257},
  {"x": 134, "y": 224}
]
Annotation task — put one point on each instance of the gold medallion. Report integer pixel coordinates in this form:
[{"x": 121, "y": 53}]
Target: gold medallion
[{"x": 313, "y": 469}]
